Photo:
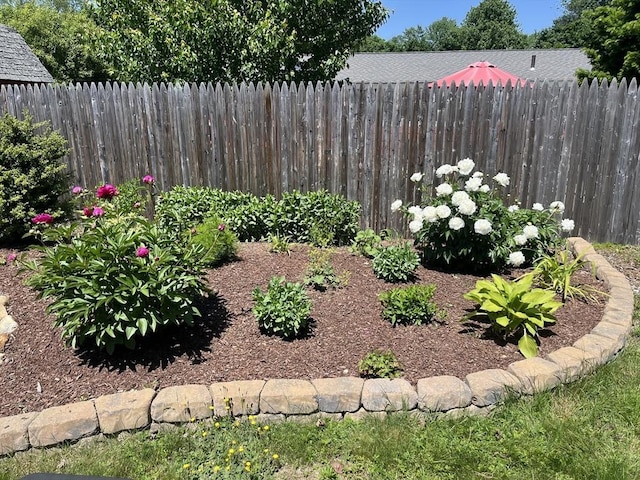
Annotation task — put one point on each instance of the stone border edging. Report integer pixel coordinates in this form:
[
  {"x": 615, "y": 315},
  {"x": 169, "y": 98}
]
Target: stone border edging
[{"x": 335, "y": 398}]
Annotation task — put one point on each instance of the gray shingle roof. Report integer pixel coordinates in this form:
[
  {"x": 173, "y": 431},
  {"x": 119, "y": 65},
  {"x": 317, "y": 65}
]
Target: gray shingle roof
[
  {"x": 553, "y": 64},
  {"x": 17, "y": 62}
]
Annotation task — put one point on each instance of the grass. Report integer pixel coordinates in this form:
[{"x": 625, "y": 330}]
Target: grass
[{"x": 589, "y": 429}]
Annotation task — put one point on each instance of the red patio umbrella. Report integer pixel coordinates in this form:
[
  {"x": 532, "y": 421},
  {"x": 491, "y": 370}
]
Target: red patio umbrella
[{"x": 480, "y": 72}]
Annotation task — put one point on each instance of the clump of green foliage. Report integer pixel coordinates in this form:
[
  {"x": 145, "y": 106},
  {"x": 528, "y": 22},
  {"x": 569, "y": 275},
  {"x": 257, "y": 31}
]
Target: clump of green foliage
[
  {"x": 284, "y": 309},
  {"x": 380, "y": 364},
  {"x": 396, "y": 263},
  {"x": 366, "y": 243},
  {"x": 320, "y": 273},
  {"x": 412, "y": 305},
  {"x": 218, "y": 242},
  {"x": 33, "y": 180}
]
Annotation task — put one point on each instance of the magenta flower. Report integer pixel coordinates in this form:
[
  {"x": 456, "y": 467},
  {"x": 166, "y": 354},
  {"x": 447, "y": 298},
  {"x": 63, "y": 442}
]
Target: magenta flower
[
  {"x": 11, "y": 257},
  {"x": 106, "y": 191},
  {"x": 42, "y": 218},
  {"x": 221, "y": 227},
  {"x": 97, "y": 212},
  {"x": 142, "y": 252},
  {"x": 148, "y": 179},
  {"x": 77, "y": 190},
  {"x": 87, "y": 211}
]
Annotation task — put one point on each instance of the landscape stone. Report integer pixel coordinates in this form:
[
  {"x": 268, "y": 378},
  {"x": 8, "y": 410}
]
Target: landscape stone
[
  {"x": 614, "y": 331},
  {"x": 361, "y": 414},
  {"x": 573, "y": 362},
  {"x": 291, "y": 397},
  {"x": 620, "y": 315},
  {"x": 66, "y": 422},
  {"x": 318, "y": 418},
  {"x": 243, "y": 397},
  {"x": 491, "y": 386},
  {"x": 536, "y": 374},
  {"x": 14, "y": 432},
  {"x": 124, "y": 411},
  {"x": 8, "y": 324},
  {"x": 443, "y": 393},
  {"x": 339, "y": 394},
  {"x": 182, "y": 403},
  {"x": 604, "y": 348},
  {"x": 266, "y": 418},
  {"x": 4, "y": 300},
  {"x": 385, "y": 394}
]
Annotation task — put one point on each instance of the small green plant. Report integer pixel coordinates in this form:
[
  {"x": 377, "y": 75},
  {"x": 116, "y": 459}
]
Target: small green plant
[
  {"x": 284, "y": 309},
  {"x": 515, "y": 307},
  {"x": 409, "y": 305},
  {"x": 112, "y": 282},
  {"x": 554, "y": 272},
  {"x": 320, "y": 273},
  {"x": 278, "y": 244},
  {"x": 380, "y": 364},
  {"x": 218, "y": 242},
  {"x": 33, "y": 180},
  {"x": 366, "y": 243},
  {"x": 396, "y": 263}
]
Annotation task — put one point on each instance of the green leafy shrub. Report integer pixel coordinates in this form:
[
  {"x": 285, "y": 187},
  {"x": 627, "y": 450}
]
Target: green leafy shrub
[
  {"x": 396, "y": 263},
  {"x": 554, "y": 272},
  {"x": 380, "y": 364},
  {"x": 284, "y": 309},
  {"x": 114, "y": 282},
  {"x": 515, "y": 307},
  {"x": 182, "y": 208},
  {"x": 409, "y": 305},
  {"x": 32, "y": 178},
  {"x": 366, "y": 243},
  {"x": 279, "y": 244},
  {"x": 217, "y": 241},
  {"x": 320, "y": 273}
]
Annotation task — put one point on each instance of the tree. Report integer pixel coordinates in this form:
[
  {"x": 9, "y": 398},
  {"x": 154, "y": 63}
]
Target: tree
[
  {"x": 444, "y": 34},
  {"x": 413, "y": 39},
  {"x": 63, "y": 41},
  {"x": 614, "y": 43},
  {"x": 572, "y": 29},
  {"x": 232, "y": 40},
  {"x": 373, "y": 43},
  {"x": 491, "y": 25}
]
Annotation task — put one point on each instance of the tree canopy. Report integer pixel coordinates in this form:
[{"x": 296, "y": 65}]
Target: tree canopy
[
  {"x": 232, "y": 40},
  {"x": 491, "y": 25}
]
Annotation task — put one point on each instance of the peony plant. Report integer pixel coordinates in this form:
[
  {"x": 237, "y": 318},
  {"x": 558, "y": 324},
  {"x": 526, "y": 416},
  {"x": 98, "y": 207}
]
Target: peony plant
[{"x": 467, "y": 226}]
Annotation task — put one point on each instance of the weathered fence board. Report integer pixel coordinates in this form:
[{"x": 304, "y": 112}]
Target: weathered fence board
[{"x": 576, "y": 143}]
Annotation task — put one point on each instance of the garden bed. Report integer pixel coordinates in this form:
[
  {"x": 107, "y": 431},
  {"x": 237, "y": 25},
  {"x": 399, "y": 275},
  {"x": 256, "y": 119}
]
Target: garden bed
[{"x": 39, "y": 371}]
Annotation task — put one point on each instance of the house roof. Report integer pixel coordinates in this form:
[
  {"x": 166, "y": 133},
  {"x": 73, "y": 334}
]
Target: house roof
[
  {"x": 390, "y": 67},
  {"x": 17, "y": 62}
]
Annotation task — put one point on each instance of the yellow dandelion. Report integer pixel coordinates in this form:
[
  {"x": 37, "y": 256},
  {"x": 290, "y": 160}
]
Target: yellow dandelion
[
  {"x": 247, "y": 464},
  {"x": 217, "y": 424},
  {"x": 204, "y": 434},
  {"x": 227, "y": 468},
  {"x": 266, "y": 450},
  {"x": 210, "y": 407},
  {"x": 266, "y": 427},
  {"x": 275, "y": 456},
  {"x": 186, "y": 466},
  {"x": 241, "y": 448},
  {"x": 216, "y": 469},
  {"x": 251, "y": 417},
  {"x": 231, "y": 451},
  {"x": 247, "y": 468},
  {"x": 253, "y": 422},
  {"x": 227, "y": 407},
  {"x": 192, "y": 419}
]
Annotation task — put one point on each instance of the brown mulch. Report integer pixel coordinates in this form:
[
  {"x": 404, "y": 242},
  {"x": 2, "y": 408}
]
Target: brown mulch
[{"x": 38, "y": 371}]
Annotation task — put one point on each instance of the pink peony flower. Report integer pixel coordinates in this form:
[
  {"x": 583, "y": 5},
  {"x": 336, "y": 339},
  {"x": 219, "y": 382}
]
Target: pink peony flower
[
  {"x": 142, "y": 252},
  {"x": 77, "y": 190},
  {"x": 87, "y": 211},
  {"x": 106, "y": 191},
  {"x": 11, "y": 257},
  {"x": 136, "y": 205},
  {"x": 221, "y": 227},
  {"x": 42, "y": 218},
  {"x": 148, "y": 179},
  {"x": 97, "y": 212}
]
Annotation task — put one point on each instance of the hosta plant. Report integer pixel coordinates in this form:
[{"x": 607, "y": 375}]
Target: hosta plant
[
  {"x": 396, "y": 263},
  {"x": 283, "y": 309},
  {"x": 515, "y": 308},
  {"x": 111, "y": 283},
  {"x": 380, "y": 364},
  {"x": 412, "y": 305}
]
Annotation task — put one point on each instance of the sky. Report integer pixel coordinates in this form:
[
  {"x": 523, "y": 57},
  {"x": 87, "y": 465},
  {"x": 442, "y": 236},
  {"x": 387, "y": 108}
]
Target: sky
[{"x": 532, "y": 15}]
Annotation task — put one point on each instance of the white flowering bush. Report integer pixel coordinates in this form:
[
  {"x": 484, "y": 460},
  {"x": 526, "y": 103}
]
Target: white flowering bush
[{"x": 467, "y": 226}]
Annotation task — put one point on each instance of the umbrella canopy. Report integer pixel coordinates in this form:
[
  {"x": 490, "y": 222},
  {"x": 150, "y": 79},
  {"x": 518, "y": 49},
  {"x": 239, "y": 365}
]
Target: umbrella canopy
[{"x": 480, "y": 72}]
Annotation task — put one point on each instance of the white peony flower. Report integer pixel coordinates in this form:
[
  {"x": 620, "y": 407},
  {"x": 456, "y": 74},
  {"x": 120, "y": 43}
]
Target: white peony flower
[
  {"x": 443, "y": 211},
  {"x": 395, "y": 206},
  {"x": 416, "y": 211},
  {"x": 456, "y": 223},
  {"x": 444, "y": 189},
  {"x": 482, "y": 227},
  {"x": 415, "y": 226},
  {"x": 473, "y": 184},
  {"x": 502, "y": 179},
  {"x": 538, "y": 207},
  {"x": 477, "y": 174},
  {"x": 485, "y": 188},
  {"x": 530, "y": 231},
  {"x": 513, "y": 208},
  {"x": 458, "y": 197},
  {"x": 516, "y": 259},
  {"x": 567, "y": 225},
  {"x": 520, "y": 239},
  {"x": 429, "y": 214},
  {"x": 416, "y": 177},
  {"x": 467, "y": 207},
  {"x": 556, "y": 206},
  {"x": 442, "y": 170},
  {"x": 465, "y": 166}
]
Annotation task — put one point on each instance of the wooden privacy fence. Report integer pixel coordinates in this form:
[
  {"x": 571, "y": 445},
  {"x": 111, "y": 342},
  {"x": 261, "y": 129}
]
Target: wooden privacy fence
[{"x": 557, "y": 141}]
